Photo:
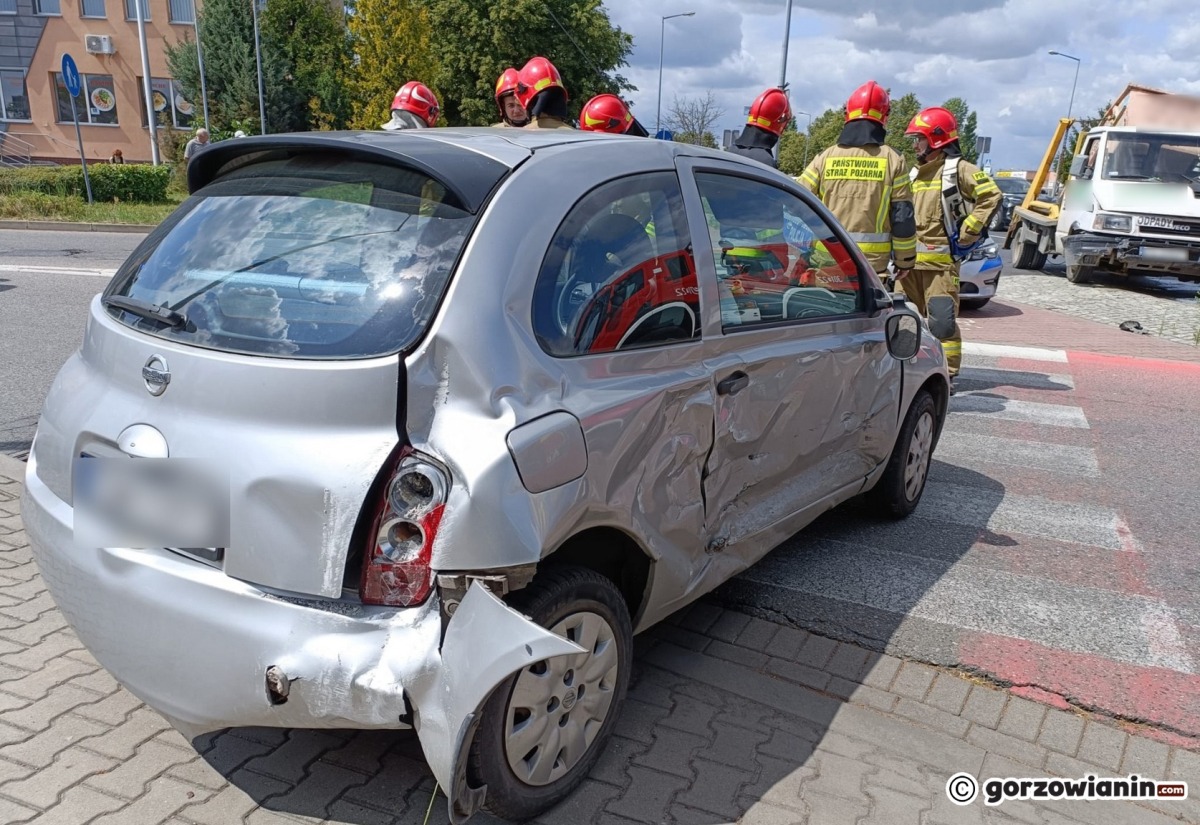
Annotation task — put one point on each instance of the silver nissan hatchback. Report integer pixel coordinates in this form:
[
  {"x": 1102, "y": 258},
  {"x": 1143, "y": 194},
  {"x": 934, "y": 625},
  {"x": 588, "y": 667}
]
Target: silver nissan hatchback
[{"x": 418, "y": 429}]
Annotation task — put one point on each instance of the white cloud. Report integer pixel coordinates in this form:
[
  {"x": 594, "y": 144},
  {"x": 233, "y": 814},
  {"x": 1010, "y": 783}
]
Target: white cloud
[{"x": 993, "y": 53}]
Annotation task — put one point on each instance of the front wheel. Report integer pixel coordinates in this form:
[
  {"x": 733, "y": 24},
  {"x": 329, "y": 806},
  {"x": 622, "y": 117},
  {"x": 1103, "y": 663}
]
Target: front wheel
[
  {"x": 899, "y": 490},
  {"x": 543, "y": 728},
  {"x": 1079, "y": 274}
]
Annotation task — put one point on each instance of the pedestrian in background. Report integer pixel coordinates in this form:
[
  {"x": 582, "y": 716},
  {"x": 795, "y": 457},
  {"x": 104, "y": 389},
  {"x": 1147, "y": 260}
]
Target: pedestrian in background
[
  {"x": 195, "y": 144},
  {"x": 117, "y": 157}
]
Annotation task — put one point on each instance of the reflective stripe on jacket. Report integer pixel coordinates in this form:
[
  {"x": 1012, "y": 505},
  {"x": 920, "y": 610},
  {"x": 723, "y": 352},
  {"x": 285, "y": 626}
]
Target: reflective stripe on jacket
[
  {"x": 933, "y": 243},
  {"x": 859, "y": 185}
]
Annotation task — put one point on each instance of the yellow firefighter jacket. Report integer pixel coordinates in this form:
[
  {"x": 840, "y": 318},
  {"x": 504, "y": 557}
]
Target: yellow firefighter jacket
[
  {"x": 933, "y": 243},
  {"x": 860, "y": 185}
]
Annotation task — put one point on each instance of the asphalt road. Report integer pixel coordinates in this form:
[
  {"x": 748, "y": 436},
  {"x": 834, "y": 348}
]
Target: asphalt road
[
  {"x": 1054, "y": 549},
  {"x": 43, "y": 306}
]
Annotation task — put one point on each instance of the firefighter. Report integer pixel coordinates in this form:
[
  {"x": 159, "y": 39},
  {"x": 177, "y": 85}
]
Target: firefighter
[
  {"x": 608, "y": 113},
  {"x": 512, "y": 113},
  {"x": 414, "y": 107},
  {"x": 953, "y": 201},
  {"x": 541, "y": 92},
  {"x": 864, "y": 183},
  {"x": 770, "y": 114}
]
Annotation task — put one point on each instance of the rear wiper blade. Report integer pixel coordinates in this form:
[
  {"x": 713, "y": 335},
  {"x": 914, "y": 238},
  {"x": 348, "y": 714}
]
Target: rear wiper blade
[{"x": 144, "y": 309}]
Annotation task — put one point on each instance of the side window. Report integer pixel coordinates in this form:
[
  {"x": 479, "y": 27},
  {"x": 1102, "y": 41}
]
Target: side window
[
  {"x": 620, "y": 273},
  {"x": 777, "y": 259},
  {"x": 1090, "y": 152}
]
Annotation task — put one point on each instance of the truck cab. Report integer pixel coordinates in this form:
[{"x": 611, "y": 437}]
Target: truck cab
[{"x": 1132, "y": 203}]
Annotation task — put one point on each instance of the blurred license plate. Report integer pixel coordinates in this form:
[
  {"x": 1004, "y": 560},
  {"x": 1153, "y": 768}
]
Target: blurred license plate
[
  {"x": 1165, "y": 254},
  {"x": 150, "y": 502}
]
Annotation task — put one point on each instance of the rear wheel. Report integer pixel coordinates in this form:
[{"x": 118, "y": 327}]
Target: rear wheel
[
  {"x": 543, "y": 728},
  {"x": 1079, "y": 274},
  {"x": 899, "y": 490}
]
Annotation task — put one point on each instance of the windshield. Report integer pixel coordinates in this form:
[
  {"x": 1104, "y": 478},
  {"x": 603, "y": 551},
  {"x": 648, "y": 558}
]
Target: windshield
[
  {"x": 1013, "y": 186},
  {"x": 312, "y": 257},
  {"x": 1149, "y": 157}
]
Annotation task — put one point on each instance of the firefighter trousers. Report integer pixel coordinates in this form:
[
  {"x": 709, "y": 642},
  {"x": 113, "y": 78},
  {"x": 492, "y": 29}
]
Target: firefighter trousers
[{"x": 935, "y": 294}]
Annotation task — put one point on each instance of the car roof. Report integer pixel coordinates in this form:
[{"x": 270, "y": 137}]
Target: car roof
[{"x": 469, "y": 160}]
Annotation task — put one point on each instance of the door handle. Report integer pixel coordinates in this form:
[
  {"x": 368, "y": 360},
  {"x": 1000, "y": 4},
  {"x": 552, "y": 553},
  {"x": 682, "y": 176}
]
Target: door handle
[{"x": 733, "y": 384}]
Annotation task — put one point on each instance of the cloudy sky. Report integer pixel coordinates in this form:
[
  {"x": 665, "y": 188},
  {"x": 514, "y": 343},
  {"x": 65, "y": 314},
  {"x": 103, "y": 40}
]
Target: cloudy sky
[{"x": 993, "y": 53}]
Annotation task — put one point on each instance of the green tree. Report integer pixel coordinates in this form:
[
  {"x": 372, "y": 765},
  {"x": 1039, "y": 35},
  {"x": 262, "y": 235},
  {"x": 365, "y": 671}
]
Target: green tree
[
  {"x": 227, "y": 32},
  {"x": 310, "y": 38},
  {"x": 393, "y": 44},
  {"x": 967, "y": 125},
  {"x": 904, "y": 109},
  {"x": 477, "y": 41}
]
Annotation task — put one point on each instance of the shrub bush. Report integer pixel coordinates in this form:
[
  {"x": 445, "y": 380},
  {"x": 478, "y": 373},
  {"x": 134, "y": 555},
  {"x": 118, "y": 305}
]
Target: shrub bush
[{"x": 126, "y": 182}]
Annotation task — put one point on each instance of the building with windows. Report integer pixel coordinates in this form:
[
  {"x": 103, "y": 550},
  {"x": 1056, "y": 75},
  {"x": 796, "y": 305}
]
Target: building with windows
[{"x": 102, "y": 37}]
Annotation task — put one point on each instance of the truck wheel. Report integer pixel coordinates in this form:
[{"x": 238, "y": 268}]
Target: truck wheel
[
  {"x": 1028, "y": 256},
  {"x": 1079, "y": 274},
  {"x": 543, "y": 729}
]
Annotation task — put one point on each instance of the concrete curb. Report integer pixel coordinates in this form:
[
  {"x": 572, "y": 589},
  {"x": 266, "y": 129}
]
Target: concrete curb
[
  {"x": 12, "y": 469},
  {"x": 67, "y": 226}
]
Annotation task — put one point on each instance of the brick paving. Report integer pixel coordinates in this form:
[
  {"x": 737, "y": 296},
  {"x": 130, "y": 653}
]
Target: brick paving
[{"x": 729, "y": 719}]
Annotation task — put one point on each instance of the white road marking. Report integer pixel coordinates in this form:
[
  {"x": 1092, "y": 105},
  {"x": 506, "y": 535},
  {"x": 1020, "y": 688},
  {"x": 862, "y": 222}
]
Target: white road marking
[
  {"x": 1016, "y": 378},
  {"x": 57, "y": 270},
  {"x": 1005, "y": 351},
  {"x": 1004, "y": 512},
  {"x": 992, "y": 405},
  {"x": 976, "y": 451}
]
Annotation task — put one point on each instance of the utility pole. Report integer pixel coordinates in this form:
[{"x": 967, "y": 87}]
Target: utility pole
[
  {"x": 662, "y": 35},
  {"x": 262, "y": 106},
  {"x": 151, "y": 120}
]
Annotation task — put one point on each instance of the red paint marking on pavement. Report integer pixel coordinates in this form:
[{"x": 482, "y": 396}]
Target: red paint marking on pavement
[
  {"x": 1131, "y": 362},
  {"x": 1154, "y": 694},
  {"x": 1043, "y": 696}
]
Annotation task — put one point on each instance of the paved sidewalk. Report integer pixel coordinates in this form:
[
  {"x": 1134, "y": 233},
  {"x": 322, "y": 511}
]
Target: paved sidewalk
[{"x": 730, "y": 719}]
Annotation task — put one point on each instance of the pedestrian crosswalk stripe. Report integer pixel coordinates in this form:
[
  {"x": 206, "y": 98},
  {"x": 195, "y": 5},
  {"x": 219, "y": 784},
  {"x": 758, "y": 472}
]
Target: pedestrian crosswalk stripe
[
  {"x": 1004, "y": 512},
  {"x": 980, "y": 451},
  {"x": 992, "y": 405},
  {"x": 995, "y": 377},
  {"x": 1007, "y": 351}
]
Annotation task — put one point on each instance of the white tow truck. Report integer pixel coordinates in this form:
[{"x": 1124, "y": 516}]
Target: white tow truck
[{"x": 1132, "y": 201}]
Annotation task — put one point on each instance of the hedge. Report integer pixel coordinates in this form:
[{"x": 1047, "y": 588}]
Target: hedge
[{"x": 125, "y": 182}]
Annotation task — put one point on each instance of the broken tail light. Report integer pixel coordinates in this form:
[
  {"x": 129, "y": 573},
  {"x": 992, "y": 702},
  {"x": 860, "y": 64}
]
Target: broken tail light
[{"x": 396, "y": 567}]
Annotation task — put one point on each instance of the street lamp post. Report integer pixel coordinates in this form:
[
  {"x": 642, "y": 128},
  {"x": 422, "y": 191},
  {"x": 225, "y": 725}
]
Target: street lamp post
[
  {"x": 787, "y": 32},
  {"x": 807, "y": 136},
  {"x": 262, "y": 107},
  {"x": 1070, "y": 105},
  {"x": 661, "y": 39}
]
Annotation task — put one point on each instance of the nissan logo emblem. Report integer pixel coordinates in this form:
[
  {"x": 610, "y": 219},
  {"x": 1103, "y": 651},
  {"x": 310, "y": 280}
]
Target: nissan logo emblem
[{"x": 156, "y": 374}]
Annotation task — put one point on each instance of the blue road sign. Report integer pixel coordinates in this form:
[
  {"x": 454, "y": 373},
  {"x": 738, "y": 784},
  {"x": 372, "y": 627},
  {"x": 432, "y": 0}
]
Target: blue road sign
[
  {"x": 70, "y": 75},
  {"x": 665, "y": 134}
]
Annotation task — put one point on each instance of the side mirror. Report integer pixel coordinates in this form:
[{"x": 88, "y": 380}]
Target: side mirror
[
  {"x": 1077, "y": 165},
  {"x": 903, "y": 330}
]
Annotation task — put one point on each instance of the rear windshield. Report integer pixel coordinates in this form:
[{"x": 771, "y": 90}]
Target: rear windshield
[{"x": 308, "y": 257}]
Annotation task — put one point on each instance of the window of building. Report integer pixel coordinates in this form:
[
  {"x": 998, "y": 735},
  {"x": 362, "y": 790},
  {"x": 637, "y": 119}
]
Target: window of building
[
  {"x": 47, "y": 7},
  {"x": 182, "y": 11},
  {"x": 619, "y": 274},
  {"x": 777, "y": 260},
  {"x": 131, "y": 10},
  {"x": 92, "y": 8},
  {"x": 14, "y": 100},
  {"x": 97, "y": 101},
  {"x": 171, "y": 108},
  {"x": 8, "y": 6}
]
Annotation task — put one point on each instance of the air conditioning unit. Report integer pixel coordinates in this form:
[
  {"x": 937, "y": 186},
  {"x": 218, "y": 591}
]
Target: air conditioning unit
[{"x": 99, "y": 44}]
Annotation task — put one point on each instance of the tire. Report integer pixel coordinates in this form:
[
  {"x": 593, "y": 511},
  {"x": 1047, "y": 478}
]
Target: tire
[
  {"x": 1078, "y": 274},
  {"x": 996, "y": 222},
  {"x": 899, "y": 490},
  {"x": 520, "y": 785},
  {"x": 1028, "y": 256},
  {"x": 973, "y": 303}
]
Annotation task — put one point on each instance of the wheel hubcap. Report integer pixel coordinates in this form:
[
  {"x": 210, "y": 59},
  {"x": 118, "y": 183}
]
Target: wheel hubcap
[
  {"x": 920, "y": 450},
  {"x": 558, "y": 706}
]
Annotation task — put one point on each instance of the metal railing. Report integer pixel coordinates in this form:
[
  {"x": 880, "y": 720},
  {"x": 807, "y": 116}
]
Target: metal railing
[{"x": 15, "y": 151}]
